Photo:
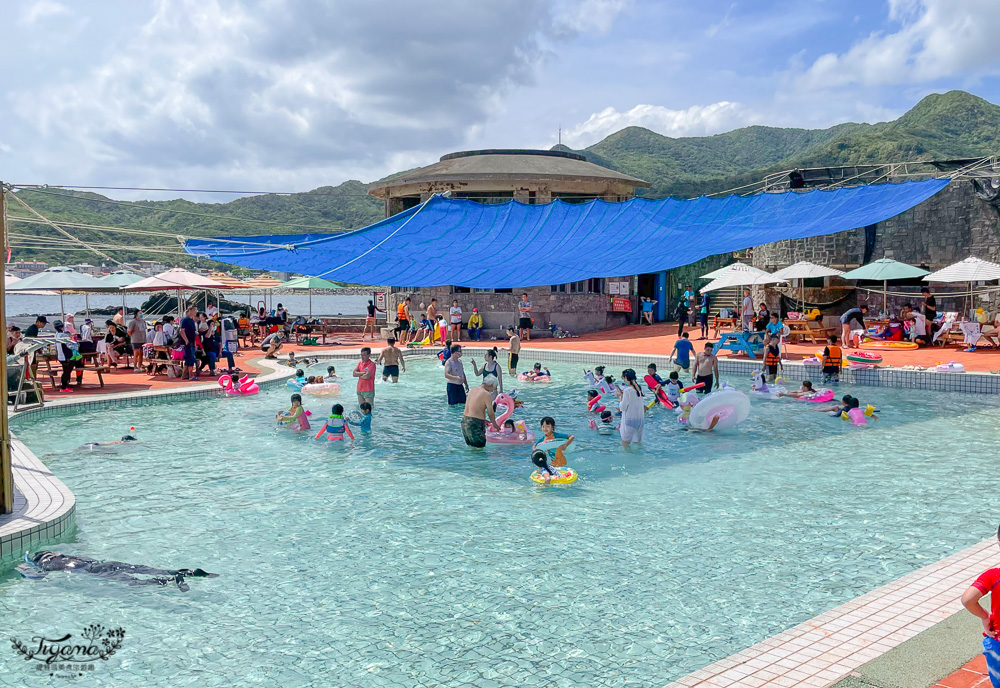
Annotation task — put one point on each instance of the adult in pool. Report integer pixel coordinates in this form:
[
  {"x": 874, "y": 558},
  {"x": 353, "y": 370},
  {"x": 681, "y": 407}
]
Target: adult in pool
[
  {"x": 43, "y": 562},
  {"x": 479, "y": 406}
]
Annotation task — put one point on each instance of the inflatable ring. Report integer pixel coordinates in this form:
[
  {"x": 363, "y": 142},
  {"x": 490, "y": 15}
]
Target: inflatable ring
[
  {"x": 541, "y": 378},
  {"x": 819, "y": 396},
  {"x": 868, "y": 357},
  {"x": 772, "y": 392},
  {"x": 720, "y": 410},
  {"x": 888, "y": 346},
  {"x": 322, "y": 388},
  {"x": 952, "y": 367},
  {"x": 566, "y": 476},
  {"x": 295, "y": 383},
  {"x": 551, "y": 445}
]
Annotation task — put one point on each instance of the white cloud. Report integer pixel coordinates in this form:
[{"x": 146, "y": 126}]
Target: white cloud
[
  {"x": 698, "y": 120},
  {"x": 36, "y": 11},
  {"x": 588, "y": 16},
  {"x": 935, "y": 39},
  {"x": 262, "y": 90}
]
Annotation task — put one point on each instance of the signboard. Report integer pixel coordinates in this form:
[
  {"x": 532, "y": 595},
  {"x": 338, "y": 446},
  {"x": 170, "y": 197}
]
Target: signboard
[
  {"x": 613, "y": 288},
  {"x": 620, "y": 305},
  {"x": 380, "y": 301}
]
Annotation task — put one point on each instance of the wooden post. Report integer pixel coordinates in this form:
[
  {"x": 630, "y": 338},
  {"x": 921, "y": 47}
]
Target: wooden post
[{"x": 6, "y": 473}]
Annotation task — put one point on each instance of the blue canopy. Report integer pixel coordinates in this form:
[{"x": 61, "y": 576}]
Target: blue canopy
[{"x": 510, "y": 245}]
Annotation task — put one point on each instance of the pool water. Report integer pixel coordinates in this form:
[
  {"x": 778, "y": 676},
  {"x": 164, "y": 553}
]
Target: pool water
[{"x": 409, "y": 559}]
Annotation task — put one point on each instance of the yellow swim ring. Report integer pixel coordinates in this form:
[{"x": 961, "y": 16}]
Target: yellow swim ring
[{"x": 566, "y": 476}]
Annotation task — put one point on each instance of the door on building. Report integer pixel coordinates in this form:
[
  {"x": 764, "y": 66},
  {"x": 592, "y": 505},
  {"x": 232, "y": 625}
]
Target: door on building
[{"x": 647, "y": 290}]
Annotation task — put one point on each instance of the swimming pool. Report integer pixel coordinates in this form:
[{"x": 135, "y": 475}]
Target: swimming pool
[{"x": 410, "y": 560}]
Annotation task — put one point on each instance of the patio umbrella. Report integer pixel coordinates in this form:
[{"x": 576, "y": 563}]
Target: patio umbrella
[
  {"x": 119, "y": 278},
  {"x": 739, "y": 275},
  {"x": 60, "y": 280},
  {"x": 802, "y": 271},
  {"x": 969, "y": 270},
  {"x": 176, "y": 279},
  {"x": 885, "y": 269},
  {"x": 732, "y": 266},
  {"x": 308, "y": 284},
  {"x": 265, "y": 284}
]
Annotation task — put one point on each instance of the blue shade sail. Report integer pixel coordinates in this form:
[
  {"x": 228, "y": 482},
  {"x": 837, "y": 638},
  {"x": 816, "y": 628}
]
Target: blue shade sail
[{"x": 511, "y": 245}]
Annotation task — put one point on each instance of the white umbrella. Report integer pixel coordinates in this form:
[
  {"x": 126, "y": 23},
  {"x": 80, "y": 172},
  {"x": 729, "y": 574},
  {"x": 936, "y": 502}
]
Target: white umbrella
[
  {"x": 732, "y": 266},
  {"x": 740, "y": 275},
  {"x": 176, "y": 279},
  {"x": 802, "y": 271},
  {"x": 969, "y": 270}
]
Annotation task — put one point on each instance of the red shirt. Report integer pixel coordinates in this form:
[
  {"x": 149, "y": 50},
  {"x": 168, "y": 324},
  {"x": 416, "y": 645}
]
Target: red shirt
[
  {"x": 985, "y": 584},
  {"x": 369, "y": 384}
]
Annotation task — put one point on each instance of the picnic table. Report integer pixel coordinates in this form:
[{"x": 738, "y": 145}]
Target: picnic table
[
  {"x": 727, "y": 323},
  {"x": 748, "y": 343},
  {"x": 799, "y": 330},
  {"x": 90, "y": 356}
]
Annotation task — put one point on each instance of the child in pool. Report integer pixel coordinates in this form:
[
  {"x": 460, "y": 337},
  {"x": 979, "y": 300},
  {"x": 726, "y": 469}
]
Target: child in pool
[
  {"x": 843, "y": 407},
  {"x": 607, "y": 424},
  {"x": 594, "y": 404},
  {"x": 804, "y": 391},
  {"x": 672, "y": 387},
  {"x": 540, "y": 459},
  {"x": 295, "y": 417},
  {"x": 291, "y": 360},
  {"x": 537, "y": 372},
  {"x": 365, "y": 421},
  {"x": 331, "y": 375},
  {"x": 549, "y": 433},
  {"x": 336, "y": 426},
  {"x": 300, "y": 375}
]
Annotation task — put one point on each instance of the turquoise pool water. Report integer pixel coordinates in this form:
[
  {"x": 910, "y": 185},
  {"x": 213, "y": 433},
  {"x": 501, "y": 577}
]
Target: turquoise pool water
[{"x": 411, "y": 560}]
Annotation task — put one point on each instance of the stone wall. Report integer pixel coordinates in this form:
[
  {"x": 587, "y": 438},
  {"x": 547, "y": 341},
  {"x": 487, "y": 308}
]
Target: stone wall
[
  {"x": 954, "y": 224},
  {"x": 577, "y": 313}
]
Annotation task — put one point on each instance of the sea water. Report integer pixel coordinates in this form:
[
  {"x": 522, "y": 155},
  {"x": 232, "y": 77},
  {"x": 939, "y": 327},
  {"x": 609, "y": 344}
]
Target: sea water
[{"x": 406, "y": 558}]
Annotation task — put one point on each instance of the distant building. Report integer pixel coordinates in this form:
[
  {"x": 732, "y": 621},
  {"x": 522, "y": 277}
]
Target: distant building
[
  {"x": 532, "y": 177},
  {"x": 26, "y": 268},
  {"x": 86, "y": 268},
  {"x": 151, "y": 267}
]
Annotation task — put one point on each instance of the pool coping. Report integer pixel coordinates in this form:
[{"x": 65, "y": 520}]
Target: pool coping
[{"x": 816, "y": 653}]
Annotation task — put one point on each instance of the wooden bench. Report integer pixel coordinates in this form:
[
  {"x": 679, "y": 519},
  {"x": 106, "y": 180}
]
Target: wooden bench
[{"x": 89, "y": 356}]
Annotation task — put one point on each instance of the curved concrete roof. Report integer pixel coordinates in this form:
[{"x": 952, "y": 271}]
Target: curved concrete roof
[{"x": 507, "y": 165}]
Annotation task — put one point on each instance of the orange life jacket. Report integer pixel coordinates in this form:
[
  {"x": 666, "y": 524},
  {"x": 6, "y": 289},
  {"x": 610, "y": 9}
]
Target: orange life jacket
[
  {"x": 833, "y": 357},
  {"x": 771, "y": 358}
]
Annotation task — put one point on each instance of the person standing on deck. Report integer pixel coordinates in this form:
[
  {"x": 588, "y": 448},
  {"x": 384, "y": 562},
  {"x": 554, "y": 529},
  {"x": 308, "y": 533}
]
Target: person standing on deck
[
  {"x": 854, "y": 319},
  {"x": 704, "y": 304},
  {"x": 524, "y": 318},
  {"x": 403, "y": 321},
  {"x": 747, "y": 311},
  {"x": 432, "y": 318}
]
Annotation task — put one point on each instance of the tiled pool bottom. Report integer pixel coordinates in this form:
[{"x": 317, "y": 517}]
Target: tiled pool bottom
[{"x": 411, "y": 560}]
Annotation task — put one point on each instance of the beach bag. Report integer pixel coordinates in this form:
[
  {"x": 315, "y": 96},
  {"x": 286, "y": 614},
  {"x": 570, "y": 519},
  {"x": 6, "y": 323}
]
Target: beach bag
[{"x": 177, "y": 354}]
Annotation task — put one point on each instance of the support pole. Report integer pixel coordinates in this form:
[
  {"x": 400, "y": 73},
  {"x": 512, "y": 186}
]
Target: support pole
[{"x": 6, "y": 472}]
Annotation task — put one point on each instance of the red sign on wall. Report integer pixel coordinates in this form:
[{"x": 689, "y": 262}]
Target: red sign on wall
[{"x": 620, "y": 305}]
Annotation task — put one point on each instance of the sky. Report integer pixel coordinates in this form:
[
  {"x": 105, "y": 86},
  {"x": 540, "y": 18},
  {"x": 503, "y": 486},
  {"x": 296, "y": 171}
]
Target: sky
[{"x": 290, "y": 95}]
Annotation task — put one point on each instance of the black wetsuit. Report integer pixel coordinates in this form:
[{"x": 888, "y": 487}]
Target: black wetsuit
[{"x": 114, "y": 570}]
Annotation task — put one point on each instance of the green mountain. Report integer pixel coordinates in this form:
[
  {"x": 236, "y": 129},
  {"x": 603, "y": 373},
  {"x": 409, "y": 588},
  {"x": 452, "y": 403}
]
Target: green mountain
[{"x": 941, "y": 126}]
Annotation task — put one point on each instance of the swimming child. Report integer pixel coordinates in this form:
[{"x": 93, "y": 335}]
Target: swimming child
[
  {"x": 606, "y": 426},
  {"x": 804, "y": 391},
  {"x": 594, "y": 404},
  {"x": 331, "y": 374},
  {"x": 291, "y": 360},
  {"x": 336, "y": 426},
  {"x": 364, "y": 421},
  {"x": 445, "y": 353},
  {"x": 672, "y": 387},
  {"x": 540, "y": 459},
  {"x": 537, "y": 372},
  {"x": 296, "y": 417},
  {"x": 843, "y": 407},
  {"x": 549, "y": 433}
]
